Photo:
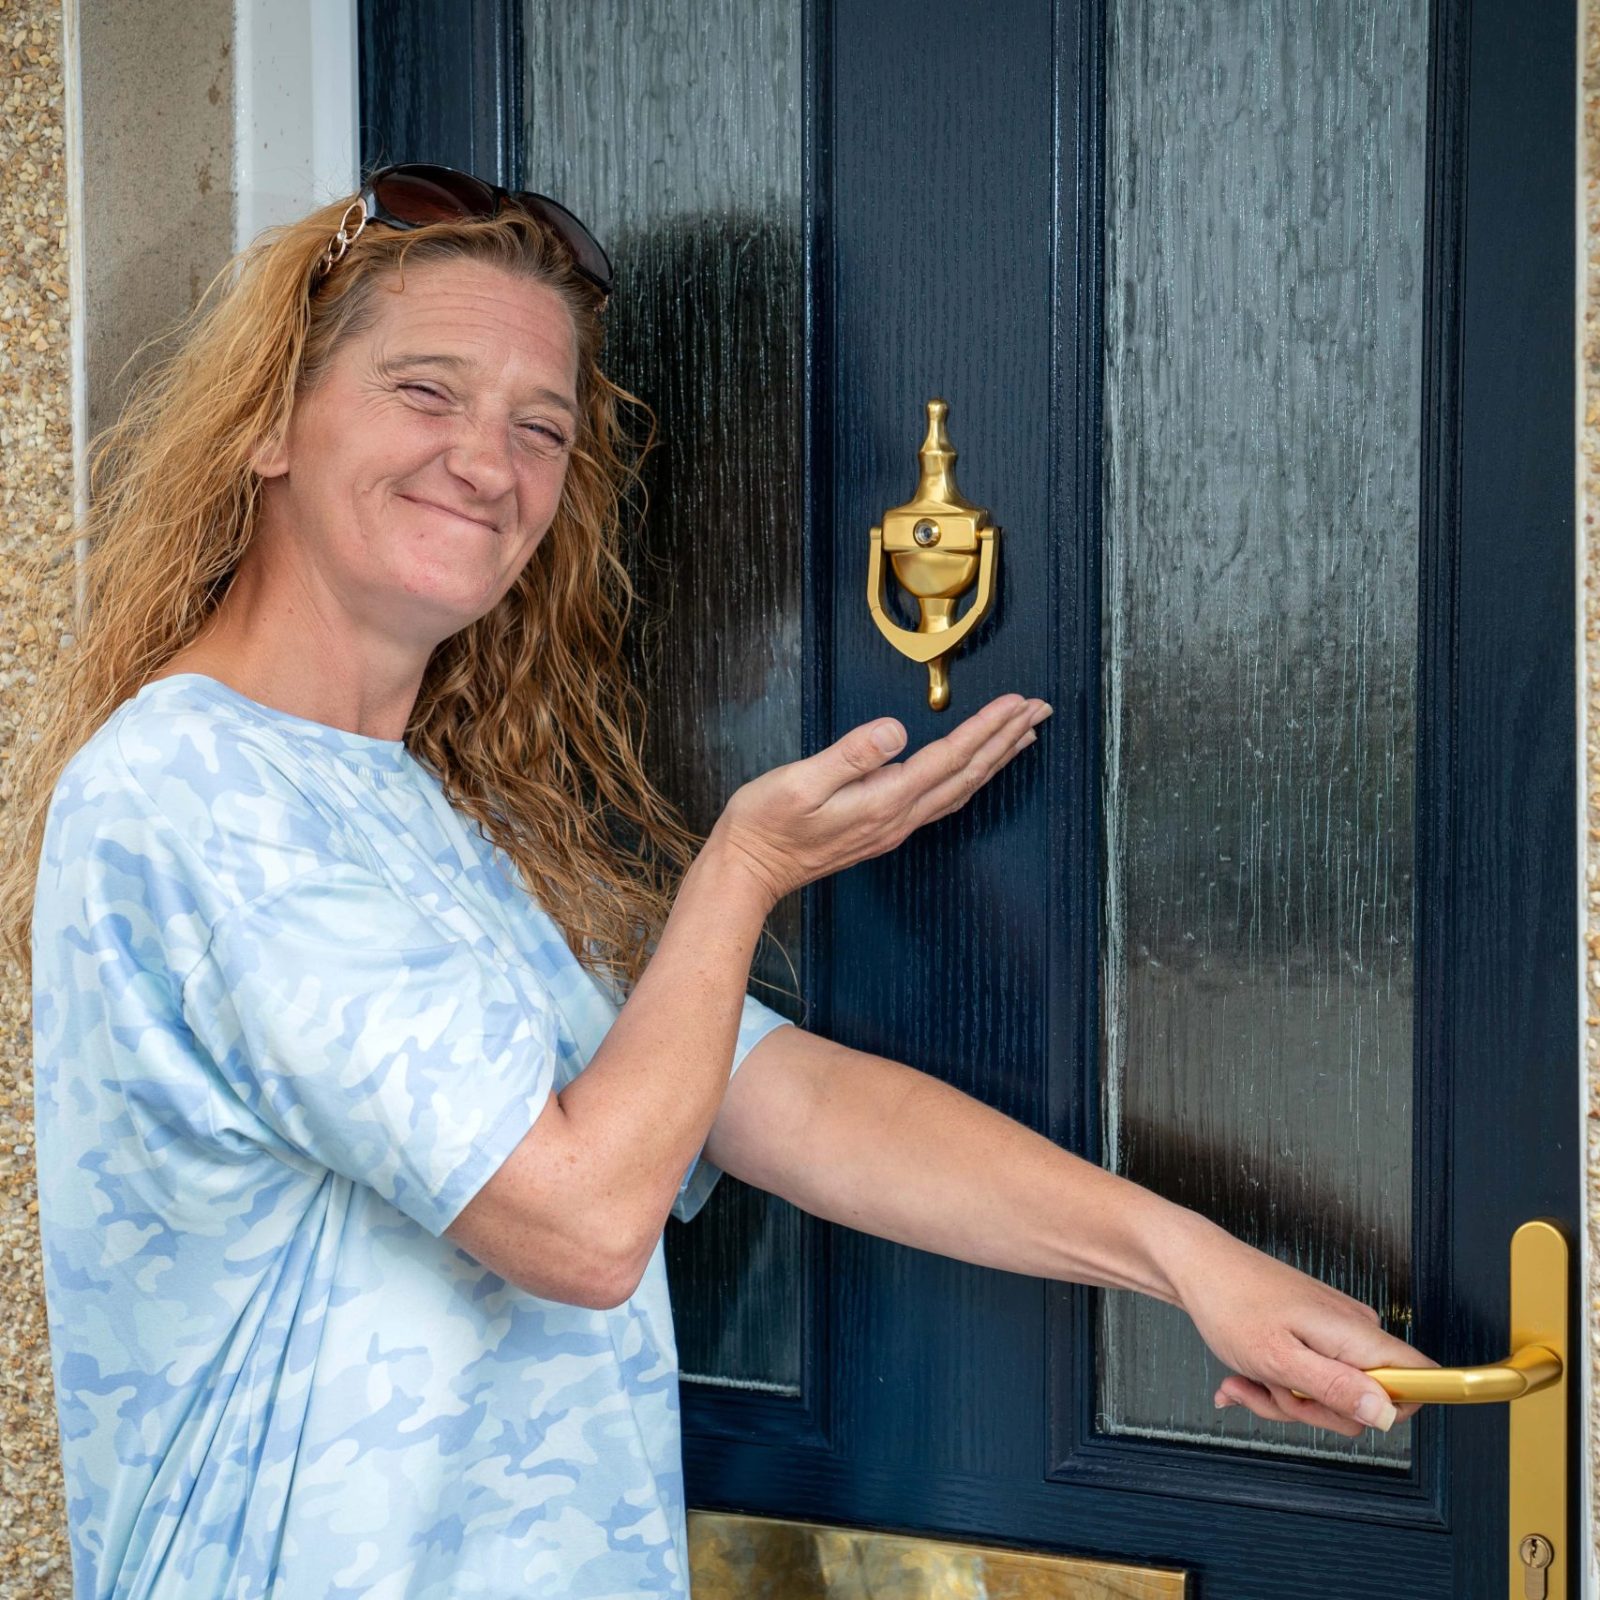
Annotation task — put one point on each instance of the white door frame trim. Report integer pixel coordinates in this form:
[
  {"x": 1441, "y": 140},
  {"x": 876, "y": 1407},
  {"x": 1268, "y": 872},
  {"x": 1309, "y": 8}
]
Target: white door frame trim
[{"x": 296, "y": 109}]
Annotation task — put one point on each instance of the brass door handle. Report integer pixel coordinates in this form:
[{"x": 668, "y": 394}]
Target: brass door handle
[
  {"x": 938, "y": 543},
  {"x": 1534, "y": 1378},
  {"x": 1524, "y": 1371}
]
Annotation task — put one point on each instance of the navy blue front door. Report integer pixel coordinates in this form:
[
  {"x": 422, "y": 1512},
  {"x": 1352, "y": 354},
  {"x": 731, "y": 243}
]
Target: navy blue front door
[{"x": 956, "y": 176}]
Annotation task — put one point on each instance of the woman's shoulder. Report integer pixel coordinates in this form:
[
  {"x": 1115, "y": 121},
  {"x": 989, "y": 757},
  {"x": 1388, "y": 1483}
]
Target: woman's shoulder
[
  {"x": 175, "y": 741},
  {"x": 177, "y": 762}
]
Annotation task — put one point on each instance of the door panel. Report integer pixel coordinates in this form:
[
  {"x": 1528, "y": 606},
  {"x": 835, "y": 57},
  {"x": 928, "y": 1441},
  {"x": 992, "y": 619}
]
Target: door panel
[{"x": 958, "y": 234}]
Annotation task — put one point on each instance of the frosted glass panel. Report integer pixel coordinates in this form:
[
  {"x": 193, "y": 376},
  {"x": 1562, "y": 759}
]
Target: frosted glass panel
[
  {"x": 673, "y": 129},
  {"x": 1264, "y": 236}
]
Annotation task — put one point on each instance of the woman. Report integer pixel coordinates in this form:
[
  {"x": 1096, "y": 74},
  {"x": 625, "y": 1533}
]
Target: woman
[{"x": 383, "y": 1011}]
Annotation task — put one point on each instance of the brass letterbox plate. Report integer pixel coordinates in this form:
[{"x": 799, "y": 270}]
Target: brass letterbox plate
[{"x": 759, "y": 1558}]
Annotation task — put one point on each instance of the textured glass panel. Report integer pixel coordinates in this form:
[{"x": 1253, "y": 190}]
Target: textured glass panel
[
  {"x": 1265, "y": 190},
  {"x": 673, "y": 129}
]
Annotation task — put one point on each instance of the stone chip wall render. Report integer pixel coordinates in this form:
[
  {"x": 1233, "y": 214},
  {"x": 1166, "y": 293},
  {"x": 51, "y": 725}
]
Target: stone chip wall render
[
  {"x": 1589, "y": 693},
  {"x": 35, "y": 502}
]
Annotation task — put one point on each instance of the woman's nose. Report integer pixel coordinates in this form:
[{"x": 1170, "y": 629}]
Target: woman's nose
[{"x": 481, "y": 456}]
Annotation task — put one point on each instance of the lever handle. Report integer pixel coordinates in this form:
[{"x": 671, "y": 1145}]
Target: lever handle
[
  {"x": 1537, "y": 1436},
  {"x": 1524, "y": 1371}
]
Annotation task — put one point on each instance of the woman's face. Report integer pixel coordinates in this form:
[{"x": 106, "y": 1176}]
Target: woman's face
[{"x": 421, "y": 473}]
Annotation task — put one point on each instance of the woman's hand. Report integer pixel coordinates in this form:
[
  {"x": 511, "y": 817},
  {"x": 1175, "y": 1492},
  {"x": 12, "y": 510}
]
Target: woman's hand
[
  {"x": 852, "y": 801},
  {"x": 1280, "y": 1330}
]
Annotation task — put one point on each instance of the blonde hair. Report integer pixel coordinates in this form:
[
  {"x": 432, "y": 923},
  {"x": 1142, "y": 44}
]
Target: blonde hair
[{"x": 527, "y": 715}]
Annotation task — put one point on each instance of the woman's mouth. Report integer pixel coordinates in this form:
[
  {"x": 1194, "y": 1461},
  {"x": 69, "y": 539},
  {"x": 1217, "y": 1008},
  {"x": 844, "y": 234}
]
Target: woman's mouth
[{"x": 459, "y": 516}]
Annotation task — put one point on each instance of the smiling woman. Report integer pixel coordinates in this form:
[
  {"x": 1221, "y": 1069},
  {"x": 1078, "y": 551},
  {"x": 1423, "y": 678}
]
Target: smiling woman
[
  {"x": 383, "y": 1011},
  {"x": 249, "y": 521}
]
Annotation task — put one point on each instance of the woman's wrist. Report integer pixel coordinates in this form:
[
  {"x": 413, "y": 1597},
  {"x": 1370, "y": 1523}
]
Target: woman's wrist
[
  {"x": 1186, "y": 1250},
  {"x": 729, "y": 875}
]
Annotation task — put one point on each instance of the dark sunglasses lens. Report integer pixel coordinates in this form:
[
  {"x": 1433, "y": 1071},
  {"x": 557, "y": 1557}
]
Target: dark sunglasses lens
[
  {"x": 585, "y": 248},
  {"x": 421, "y": 194}
]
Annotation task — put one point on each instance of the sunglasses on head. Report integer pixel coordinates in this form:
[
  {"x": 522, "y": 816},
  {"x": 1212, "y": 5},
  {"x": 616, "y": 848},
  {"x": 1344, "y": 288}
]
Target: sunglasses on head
[{"x": 412, "y": 194}]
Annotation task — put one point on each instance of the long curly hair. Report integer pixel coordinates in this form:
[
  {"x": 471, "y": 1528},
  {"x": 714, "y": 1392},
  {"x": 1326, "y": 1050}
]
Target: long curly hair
[{"x": 528, "y": 716}]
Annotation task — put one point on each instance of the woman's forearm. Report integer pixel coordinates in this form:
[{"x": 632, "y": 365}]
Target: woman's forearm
[
  {"x": 638, "y": 1114},
  {"x": 880, "y": 1147},
  {"x": 897, "y": 1153},
  {"x": 577, "y": 1208}
]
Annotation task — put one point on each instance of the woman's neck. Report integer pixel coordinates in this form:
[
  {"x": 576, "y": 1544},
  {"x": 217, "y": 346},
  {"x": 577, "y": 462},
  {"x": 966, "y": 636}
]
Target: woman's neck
[{"x": 302, "y": 683}]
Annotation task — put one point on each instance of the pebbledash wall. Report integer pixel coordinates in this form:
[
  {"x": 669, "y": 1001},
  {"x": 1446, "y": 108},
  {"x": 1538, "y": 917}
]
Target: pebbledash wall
[
  {"x": 35, "y": 497},
  {"x": 139, "y": 142},
  {"x": 1587, "y": 556}
]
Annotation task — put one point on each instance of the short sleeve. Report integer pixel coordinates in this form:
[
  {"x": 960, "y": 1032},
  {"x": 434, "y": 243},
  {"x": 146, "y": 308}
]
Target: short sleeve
[
  {"x": 356, "y": 1040},
  {"x": 756, "y": 1022}
]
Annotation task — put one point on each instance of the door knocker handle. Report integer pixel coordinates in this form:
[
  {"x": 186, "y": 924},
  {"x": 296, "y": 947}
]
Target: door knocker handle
[{"x": 938, "y": 543}]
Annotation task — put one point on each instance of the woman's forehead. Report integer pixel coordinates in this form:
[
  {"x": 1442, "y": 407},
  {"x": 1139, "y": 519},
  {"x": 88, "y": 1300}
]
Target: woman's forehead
[{"x": 474, "y": 313}]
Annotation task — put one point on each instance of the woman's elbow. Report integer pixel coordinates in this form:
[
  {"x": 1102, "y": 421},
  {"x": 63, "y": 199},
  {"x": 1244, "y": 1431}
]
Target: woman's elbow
[
  {"x": 541, "y": 1225},
  {"x": 598, "y": 1285},
  {"x": 595, "y": 1273}
]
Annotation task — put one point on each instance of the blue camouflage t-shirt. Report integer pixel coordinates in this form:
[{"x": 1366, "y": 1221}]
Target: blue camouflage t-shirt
[{"x": 291, "y": 1012}]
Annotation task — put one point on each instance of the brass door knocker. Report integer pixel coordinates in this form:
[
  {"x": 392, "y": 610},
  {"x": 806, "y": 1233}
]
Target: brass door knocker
[{"x": 938, "y": 543}]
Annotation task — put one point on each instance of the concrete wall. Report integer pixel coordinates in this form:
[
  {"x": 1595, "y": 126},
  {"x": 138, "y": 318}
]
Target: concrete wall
[
  {"x": 156, "y": 122},
  {"x": 135, "y": 156}
]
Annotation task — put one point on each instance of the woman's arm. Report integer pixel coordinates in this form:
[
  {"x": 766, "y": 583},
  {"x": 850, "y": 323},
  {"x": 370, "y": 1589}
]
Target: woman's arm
[
  {"x": 567, "y": 1213},
  {"x": 575, "y": 1211},
  {"x": 880, "y": 1147}
]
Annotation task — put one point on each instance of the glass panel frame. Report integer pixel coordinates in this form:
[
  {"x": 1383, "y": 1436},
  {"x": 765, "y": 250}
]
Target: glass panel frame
[
  {"x": 692, "y": 180},
  {"x": 1173, "y": 987}
]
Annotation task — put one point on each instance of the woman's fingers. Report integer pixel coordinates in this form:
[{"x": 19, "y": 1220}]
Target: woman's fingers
[
  {"x": 1325, "y": 1391},
  {"x": 1347, "y": 1390},
  {"x": 1275, "y": 1404},
  {"x": 942, "y": 777},
  {"x": 1297, "y": 1348},
  {"x": 872, "y": 745},
  {"x": 1329, "y": 1362},
  {"x": 859, "y": 752},
  {"x": 954, "y": 791},
  {"x": 1259, "y": 1399},
  {"x": 942, "y": 759}
]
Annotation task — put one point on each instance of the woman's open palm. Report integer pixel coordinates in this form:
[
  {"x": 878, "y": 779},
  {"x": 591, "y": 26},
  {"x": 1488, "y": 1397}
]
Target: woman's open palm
[{"x": 809, "y": 819}]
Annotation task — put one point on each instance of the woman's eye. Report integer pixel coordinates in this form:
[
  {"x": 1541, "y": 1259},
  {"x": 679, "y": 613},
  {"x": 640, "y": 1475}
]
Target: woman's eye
[
  {"x": 545, "y": 434},
  {"x": 542, "y": 433}
]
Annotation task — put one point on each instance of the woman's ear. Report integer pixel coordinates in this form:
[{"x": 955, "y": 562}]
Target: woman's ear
[{"x": 270, "y": 458}]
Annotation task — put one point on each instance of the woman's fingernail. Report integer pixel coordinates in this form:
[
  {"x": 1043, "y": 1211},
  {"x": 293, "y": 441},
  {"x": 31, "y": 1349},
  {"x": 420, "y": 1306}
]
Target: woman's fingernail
[
  {"x": 1042, "y": 713},
  {"x": 1376, "y": 1413},
  {"x": 887, "y": 737}
]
